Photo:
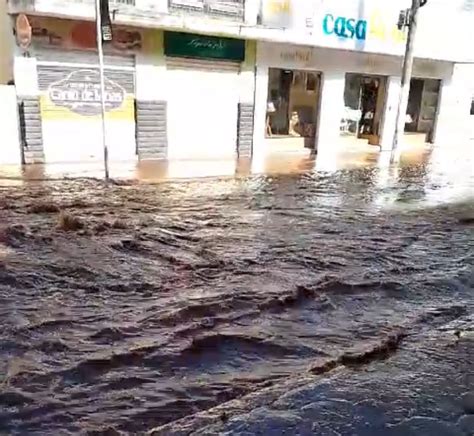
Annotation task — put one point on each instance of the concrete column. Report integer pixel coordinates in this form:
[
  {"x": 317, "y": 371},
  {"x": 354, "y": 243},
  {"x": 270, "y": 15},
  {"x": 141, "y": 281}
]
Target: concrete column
[
  {"x": 151, "y": 69},
  {"x": 246, "y": 109},
  {"x": 331, "y": 111},
  {"x": 151, "y": 98},
  {"x": 10, "y": 149},
  {"x": 247, "y": 74},
  {"x": 28, "y": 92},
  {"x": 390, "y": 115},
  {"x": 261, "y": 91},
  {"x": 453, "y": 121},
  {"x": 26, "y": 76}
]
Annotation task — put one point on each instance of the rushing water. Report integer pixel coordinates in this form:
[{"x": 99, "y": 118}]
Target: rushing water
[{"x": 176, "y": 298}]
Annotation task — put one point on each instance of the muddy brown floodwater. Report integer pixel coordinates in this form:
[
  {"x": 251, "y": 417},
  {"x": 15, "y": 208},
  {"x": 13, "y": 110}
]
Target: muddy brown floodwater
[{"x": 314, "y": 303}]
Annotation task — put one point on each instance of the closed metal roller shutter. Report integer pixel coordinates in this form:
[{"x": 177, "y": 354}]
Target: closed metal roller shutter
[
  {"x": 202, "y": 65},
  {"x": 70, "y": 105},
  {"x": 88, "y": 58},
  {"x": 202, "y": 109},
  {"x": 49, "y": 74}
]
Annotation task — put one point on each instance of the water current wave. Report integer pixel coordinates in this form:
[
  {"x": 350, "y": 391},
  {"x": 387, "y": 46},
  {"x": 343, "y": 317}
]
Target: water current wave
[{"x": 172, "y": 299}]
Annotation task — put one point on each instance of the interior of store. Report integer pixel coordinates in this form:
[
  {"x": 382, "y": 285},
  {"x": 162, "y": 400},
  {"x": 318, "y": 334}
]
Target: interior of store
[
  {"x": 422, "y": 109},
  {"x": 364, "y": 102},
  {"x": 292, "y": 108}
]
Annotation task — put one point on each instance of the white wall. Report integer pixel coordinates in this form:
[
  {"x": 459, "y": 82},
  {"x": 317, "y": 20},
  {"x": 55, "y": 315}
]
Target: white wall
[
  {"x": 331, "y": 110},
  {"x": 150, "y": 77},
  {"x": 445, "y": 31},
  {"x": 9, "y": 144},
  {"x": 150, "y": 82},
  {"x": 390, "y": 115},
  {"x": 6, "y": 46},
  {"x": 454, "y": 124},
  {"x": 26, "y": 75},
  {"x": 261, "y": 91}
]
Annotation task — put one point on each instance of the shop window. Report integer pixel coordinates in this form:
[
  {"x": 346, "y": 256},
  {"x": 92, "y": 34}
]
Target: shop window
[
  {"x": 292, "y": 103},
  {"x": 364, "y": 97},
  {"x": 311, "y": 82}
]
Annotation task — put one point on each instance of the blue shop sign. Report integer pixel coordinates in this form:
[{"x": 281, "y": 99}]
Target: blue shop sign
[{"x": 344, "y": 27}]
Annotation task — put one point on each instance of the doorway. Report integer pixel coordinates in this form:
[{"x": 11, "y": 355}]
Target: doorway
[
  {"x": 422, "y": 108},
  {"x": 292, "y": 108},
  {"x": 364, "y": 103}
]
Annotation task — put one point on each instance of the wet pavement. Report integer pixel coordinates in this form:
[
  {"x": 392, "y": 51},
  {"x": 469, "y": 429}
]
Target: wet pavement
[{"x": 332, "y": 300}]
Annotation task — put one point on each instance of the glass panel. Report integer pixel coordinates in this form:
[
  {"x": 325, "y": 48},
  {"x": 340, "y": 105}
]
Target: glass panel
[
  {"x": 278, "y": 101},
  {"x": 369, "y": 96},
  {"x": 352, "y": 104},
  {"x": 292, "y": 103}
]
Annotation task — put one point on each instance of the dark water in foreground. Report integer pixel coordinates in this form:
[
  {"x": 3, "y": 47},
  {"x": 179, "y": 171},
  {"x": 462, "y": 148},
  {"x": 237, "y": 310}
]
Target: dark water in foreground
[{"x": 340, "y": 295}]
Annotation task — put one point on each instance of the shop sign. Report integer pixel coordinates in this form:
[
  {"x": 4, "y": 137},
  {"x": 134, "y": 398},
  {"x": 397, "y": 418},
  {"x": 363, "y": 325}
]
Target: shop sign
[
  {"x": 80, "y": 93},
  {"x": 189, "y": 45},
  {"x": 345, "y": 27},
  {"x": 376, "y": 27},
  {"x": 301, "y": 57}
]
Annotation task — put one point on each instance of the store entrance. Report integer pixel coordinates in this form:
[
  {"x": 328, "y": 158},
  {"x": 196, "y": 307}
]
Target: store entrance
[
  {"x": 364, "y": 103},
  {"x": 292, "y": 109},
  {"x": 421, "y": 111}
]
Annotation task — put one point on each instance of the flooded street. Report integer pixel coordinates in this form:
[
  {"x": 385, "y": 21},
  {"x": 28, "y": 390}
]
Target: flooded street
[{"x": 326, "y": 302}]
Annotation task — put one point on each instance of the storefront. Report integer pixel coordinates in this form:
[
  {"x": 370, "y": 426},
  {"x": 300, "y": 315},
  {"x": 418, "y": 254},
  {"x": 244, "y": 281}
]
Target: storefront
[
  {"x": 354, "y": 94},
  {"x": 169, "y": 95},
  {"x": 422, "y": 108},
  {"x": 209, "y": 97},
  {"x": 65, "y": 123},
  {"x": 292, "y": 108},
  {"x": 364, "y": 106}
]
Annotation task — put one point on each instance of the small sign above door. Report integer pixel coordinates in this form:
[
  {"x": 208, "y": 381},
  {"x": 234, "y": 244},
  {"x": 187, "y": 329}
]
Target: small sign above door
[{"x": 188, "y": 45}]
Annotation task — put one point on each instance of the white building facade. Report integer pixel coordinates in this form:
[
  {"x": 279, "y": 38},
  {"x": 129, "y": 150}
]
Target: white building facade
[{"x": 218, "y": 79}]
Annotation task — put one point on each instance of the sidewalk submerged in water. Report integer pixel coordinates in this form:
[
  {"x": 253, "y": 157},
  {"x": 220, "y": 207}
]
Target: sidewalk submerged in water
[
  {"x": 277, "y": 163},
  {"x": 459, "y": 156},
  {"x": 163, "y": 300}
]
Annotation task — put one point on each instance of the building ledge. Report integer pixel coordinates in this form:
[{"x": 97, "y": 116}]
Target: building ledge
[{"x": 159, "y": 17}]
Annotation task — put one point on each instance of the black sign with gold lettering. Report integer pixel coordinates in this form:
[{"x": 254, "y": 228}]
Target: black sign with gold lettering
[{"x": 188, "y": 45}]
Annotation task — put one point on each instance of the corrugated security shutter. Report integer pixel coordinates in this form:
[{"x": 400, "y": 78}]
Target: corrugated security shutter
[
  {"x": 202, "y": 65},
  {"x": 202, "y": 108},
  {"x": 69, "y": 83}
]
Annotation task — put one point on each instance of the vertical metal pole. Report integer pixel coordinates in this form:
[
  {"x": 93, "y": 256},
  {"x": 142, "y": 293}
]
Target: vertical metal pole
[
  {"x": 100, "y": 50},
  {"x": 406, "y": 76}
]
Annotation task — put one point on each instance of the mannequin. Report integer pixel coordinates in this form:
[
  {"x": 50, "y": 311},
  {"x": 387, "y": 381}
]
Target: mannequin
[{"x": 294, "y": 124}]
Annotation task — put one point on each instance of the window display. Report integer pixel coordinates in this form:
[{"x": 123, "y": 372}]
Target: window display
[
  {"x": 362, "y": 103},
  {"x": 292, "y": 103}
]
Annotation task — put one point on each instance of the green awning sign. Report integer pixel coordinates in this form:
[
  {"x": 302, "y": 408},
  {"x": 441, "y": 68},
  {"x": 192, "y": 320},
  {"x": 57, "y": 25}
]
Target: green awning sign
[{"x": 189, "y": 45}]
